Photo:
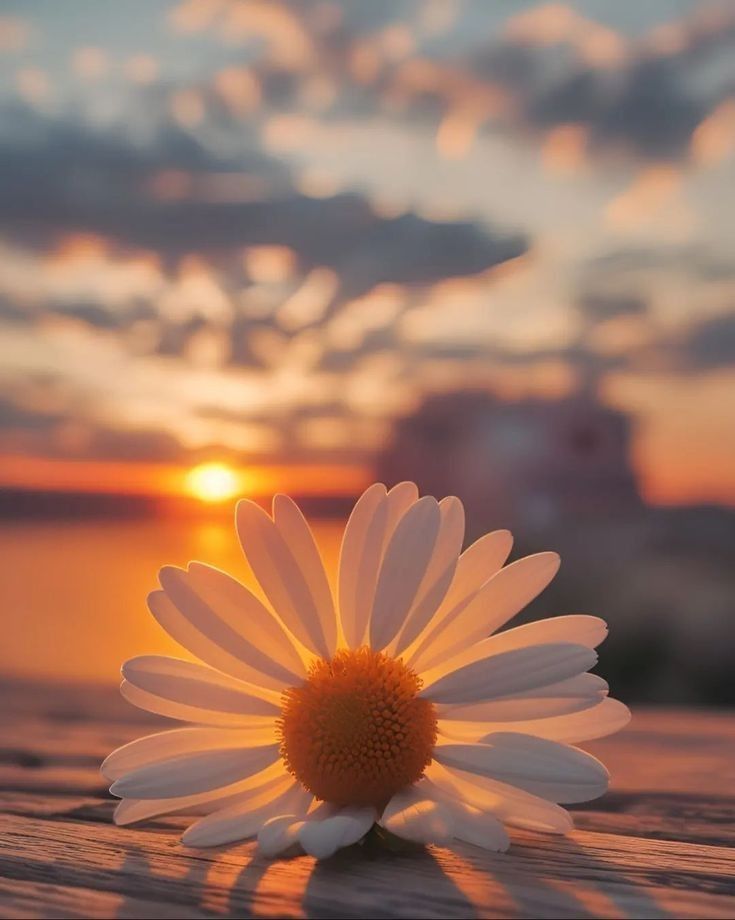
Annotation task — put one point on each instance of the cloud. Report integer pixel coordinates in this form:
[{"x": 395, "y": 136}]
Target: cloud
[
  {"x": 58, "y": 176},
  {"x": 61, "y": 432},
  {"x": 644, "y": 96},
  {"x": 545, "y": 68},
  {"x": 107, "y": 443},
  {"x": 697, "y": 260},
  {"x": 128, "y": 248},
  {"x": 278, "y": 298},
  {"x": 601, "y": 305},
  {"x": 541, "y": 69},
  {"x": 14, "y": 415},
  {"x": 15, "y": 34},
  {"x": 708, "y": 345}
]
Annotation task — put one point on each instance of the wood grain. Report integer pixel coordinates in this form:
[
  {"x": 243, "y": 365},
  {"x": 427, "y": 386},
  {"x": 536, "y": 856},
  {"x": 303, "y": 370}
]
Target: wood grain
[{"x": 660, "y": 844}]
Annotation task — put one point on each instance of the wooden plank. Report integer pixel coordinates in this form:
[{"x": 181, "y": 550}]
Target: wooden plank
[
  {"x": 20, "y": 900},
  {"x": 660, "y": 844},
  {"x": 587, "y": 868}
]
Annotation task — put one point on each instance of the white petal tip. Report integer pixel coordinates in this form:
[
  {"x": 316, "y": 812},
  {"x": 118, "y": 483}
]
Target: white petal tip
[
  {"x": 191, "y": 839},
  {"x": 405, "y": 484},
  {"x": 321, "y": 838},
  {"x": 121, "y": 818},
  {"x": 554, "y": 559},
  {"x": 280, "y": 499},
  {"x": 279, "y": 835}
]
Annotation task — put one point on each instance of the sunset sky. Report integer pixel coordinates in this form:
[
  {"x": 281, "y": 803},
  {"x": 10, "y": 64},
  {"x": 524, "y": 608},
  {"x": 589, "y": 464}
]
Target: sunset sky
[{"x": 259, "y": 232}]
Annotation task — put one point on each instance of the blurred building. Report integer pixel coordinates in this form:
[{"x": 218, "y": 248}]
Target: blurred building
[
  {"x": 558, "y": 474},
  {"x": 530, "y": 465}
]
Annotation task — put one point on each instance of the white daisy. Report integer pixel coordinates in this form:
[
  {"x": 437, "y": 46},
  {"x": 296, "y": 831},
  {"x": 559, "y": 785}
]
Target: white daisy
[{"x": 311, "y": 721}]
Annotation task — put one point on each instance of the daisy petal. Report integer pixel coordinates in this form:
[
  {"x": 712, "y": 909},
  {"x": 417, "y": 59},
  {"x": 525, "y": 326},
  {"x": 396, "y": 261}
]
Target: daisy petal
[
  {"x": 402, "y": 570},
  {"x": 278, "y": 834},
  {"x": 225, "y": 625},
  {"x": 581, "y": 629},
  {"x": 195, "y": 685},
  {"x": 162, "y": 745},
  {"x": 193, "y": 772},
  {"x": 321, "y": 837},
  {"x": 500, "y": 598},
  {"x": 275, "y": 553},
  {"x": 238, "y": 822},
  {"x": 414, "y": 815},
  {"x": 298, "y": 536},
  {"x": 368, "y": 532},
  {"x": 253, "y": 729},
  {"x": 572, "y": 695},
  {"x": 510, "y": 805},
  {"x": 597, "y": 721},
  {"x": 474, "y": 730},
  {"x": 577, "y": 629},
  {"x": 238, "y": 606},
  {"x": 510, "y": 672},
  {"x": 479, "y": 828},
  {"x": 400, "y": 499},
  {"x": 439, "y": 573},
  {"x": 546, "y": 768},
  {"x": 579, "y": 685},
  {"x": 131, "y": 810},
  {"x": 359, "y": 560},
  {"x": 475, "y": 567}
]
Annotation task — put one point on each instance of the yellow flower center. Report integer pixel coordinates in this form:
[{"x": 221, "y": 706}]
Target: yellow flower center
[{"x": 355, "y": 732}]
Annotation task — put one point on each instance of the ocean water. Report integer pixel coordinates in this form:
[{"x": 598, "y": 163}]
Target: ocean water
[{"x": 72, "y": 593}]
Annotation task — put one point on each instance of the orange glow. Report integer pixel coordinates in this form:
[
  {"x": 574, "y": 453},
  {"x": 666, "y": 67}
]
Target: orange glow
[
  {"x": 214, "y": 482},
  {"x": 32, "y": 83},
  {"x": 171, "y": 185},
  {"x": 684, "y": 439},
  {"x": 364, "y": 62},
  {"x": 652, "y": 190},
  {"x": 309, "y": 302},
  {"x": 396, "y": 42},
  {"x": 557, "y": 23},
  {"x": 80, "y": 246},
  {"x": 317, "y": 183},
  {"x": 288, "y": 132},
  {"x": 457, "y": 132},
  {"x": 192, "y": 16},
  {"x": 157, "y": 479},
  {"x": 90, "y": 63},
  {"x": 14, "y": 33},
  {"x": 549, "y": 23},
  {"x": 714, "y": 138},
  {"x": 187, "y": 107},
  {"x": 141, "y": 68},
  {"x": 239, "y": 89},
  {"x": 288, "y": 43},
  {"x": 269, "y": 264},
  {"x": 668, "y": 39},
  {"x": 469, "y": 102},
  {"x": 564, "y": 149}
]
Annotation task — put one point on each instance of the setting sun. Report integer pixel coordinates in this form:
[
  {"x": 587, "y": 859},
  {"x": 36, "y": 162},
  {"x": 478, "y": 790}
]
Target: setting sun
[{"x": 213, "y": 482}]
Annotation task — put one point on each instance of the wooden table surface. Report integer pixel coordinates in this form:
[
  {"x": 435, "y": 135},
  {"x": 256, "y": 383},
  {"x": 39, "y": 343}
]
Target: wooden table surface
[{"x": 660, "y": 844}]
